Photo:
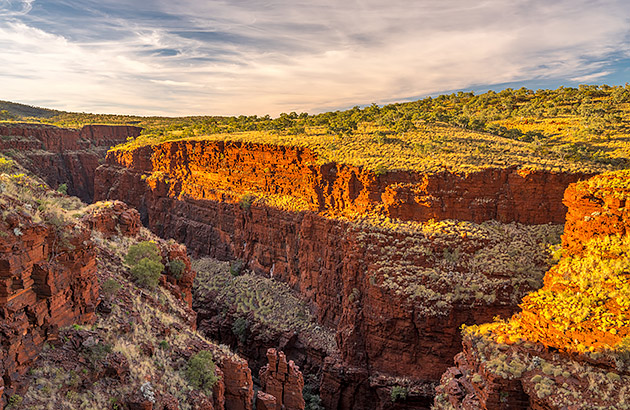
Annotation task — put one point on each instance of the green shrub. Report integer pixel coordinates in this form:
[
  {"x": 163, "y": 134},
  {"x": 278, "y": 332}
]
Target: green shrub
[
  {"x": 236, "y": 267},
  {"x": 14, "y": 402},
  {"x": 240, "y": 327},
  {"x": 63, "y": 188},
  {"x": 199, "y": 372},
  {"x": 146, "y": 273},
  {"x": 143, "y": 250},
  {"x": 110, "y": 288},
  {"x": 176, "y": 268},
  {"x": 399, "y": 393},
  {"x": 246, "y": 201}
]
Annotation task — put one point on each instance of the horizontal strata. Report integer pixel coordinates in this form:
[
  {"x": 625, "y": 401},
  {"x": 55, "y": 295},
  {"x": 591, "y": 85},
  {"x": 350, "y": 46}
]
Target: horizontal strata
[
  {"x": 204, "y": 169},
  {"x": 395, "y": 292}
]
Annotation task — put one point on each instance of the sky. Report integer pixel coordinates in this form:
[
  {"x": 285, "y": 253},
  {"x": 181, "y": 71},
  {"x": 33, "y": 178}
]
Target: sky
[{"x": 233, "y": 57}]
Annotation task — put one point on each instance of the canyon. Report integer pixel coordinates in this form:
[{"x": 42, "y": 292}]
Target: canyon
[
  {"x": 389, "y": 264},
  {"x": 63, "y": 155},
  {"x": 288, "y": 217}
]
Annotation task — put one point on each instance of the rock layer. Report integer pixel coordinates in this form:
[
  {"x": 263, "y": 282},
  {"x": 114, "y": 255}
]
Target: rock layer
[
  {"x": 63, "y": 156},
  {"x": 47, "y": 281}
]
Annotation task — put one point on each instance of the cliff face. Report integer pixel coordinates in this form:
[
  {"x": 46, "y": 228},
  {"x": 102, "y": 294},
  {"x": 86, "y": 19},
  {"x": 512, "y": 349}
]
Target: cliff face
[
  {"x": 63, "y": 156},
  {"x": 205, "y": 169},
  {"x": 568, "y": 347},
  {"x": 47, "y": 281},
  {"x": 195, "y": 191}
]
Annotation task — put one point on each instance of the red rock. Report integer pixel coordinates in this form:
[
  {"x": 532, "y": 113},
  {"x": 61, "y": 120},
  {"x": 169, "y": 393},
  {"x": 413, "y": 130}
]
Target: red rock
[
  {"x": 265, "y": 401},
  {"x": 283, "y": 380},
  {"x": 593, "y": 215},
  {"x": 43, "y": 286},
  {"x": 113, "y": 218},
  {"x": 64, "y": 156}
]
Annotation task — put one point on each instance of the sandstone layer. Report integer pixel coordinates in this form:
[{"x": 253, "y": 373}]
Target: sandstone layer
[{"x": 63, "y": 156}]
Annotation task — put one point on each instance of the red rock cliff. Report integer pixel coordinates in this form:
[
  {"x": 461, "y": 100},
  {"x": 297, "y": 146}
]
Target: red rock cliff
[
  {"x": 63, "y": 156},
  {"x": 205, "y": 169},
  {"x": 46, "y": 282}
]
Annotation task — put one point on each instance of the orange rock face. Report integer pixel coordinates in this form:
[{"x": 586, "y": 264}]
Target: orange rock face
[
  {"x": 205, "y": 169},
  {"x": 594, "y": 213},
  {"x": 46, "y": 283},
  {"x": 283, "y": 380},
  {"x": 64, "y": 156}
]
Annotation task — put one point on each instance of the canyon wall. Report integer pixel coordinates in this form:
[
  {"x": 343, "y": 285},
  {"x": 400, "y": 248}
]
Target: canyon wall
[
  {"x": 47, "y": 281},
  {"x": 197, "y": 192},
  {"x": 549, "y": 364},
  {"x": 63, "y": 156}
]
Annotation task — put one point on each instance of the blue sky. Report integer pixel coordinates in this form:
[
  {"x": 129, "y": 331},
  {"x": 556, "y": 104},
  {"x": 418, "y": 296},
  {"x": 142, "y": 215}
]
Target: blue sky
[{"x": 184, "y": 57}]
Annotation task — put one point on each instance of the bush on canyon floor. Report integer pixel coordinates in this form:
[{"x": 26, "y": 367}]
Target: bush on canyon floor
[
  {"x": 399, "y": 393},
  {"x": 145, "y": 261},
  {"x": 200, "y": 372}
]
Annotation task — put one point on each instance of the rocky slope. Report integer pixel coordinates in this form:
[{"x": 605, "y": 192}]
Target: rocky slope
[
  {"x": 395, "y": 293},
  {"x": 569, "y": 346},
  {"x": 63, "y": 156},
  {"x": 77, "y": 331}
]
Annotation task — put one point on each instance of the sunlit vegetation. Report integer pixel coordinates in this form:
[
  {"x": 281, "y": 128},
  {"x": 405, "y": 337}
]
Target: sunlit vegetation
[
  {"x": 584, "y": 306},
  {"x": 574, "y": 129}
]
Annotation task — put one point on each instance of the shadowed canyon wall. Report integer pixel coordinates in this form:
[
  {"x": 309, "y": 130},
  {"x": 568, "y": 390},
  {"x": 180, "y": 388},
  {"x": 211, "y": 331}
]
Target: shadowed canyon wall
[{"x": 61, "y": 155}]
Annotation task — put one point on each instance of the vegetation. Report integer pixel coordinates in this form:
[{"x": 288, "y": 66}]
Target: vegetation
[
  {"x": 438, "y": 265},
  {"x": 573, "y": 129},
  {"x": 176, "y": 268},
  {"x": 200, "y": 373},
  {"x": 145, "y": 261},
  {"x": 273, "y": 306},
  {"x": 399, "y": 393},
  {"x": 584, "y": 307}
]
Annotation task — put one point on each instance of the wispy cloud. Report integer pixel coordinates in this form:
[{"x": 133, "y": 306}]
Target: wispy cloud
[
  {"x": 15, "y": 7},
  {"x": 247, "y": 57}
]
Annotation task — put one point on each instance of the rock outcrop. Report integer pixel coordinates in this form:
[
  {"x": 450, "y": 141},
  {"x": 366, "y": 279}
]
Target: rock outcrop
[
  {"x": 47, "y": 281},
  {"x": 597, "y": 207},
  {"x": 283, "y": 380},
  {"x": 568, "y": 347},
  {"x": 63, "y": 156},
  {"x": 206, "y": 169}
]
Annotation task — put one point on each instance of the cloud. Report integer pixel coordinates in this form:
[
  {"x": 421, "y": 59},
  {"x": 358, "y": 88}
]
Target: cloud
[
  {"x": 247, "y": 57},
  {"x": 15, "y": 8},
  {"x": 591, "y": 77}
]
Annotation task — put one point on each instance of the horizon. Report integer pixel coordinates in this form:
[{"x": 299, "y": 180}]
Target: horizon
[{"x": 239, "y": 58}]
